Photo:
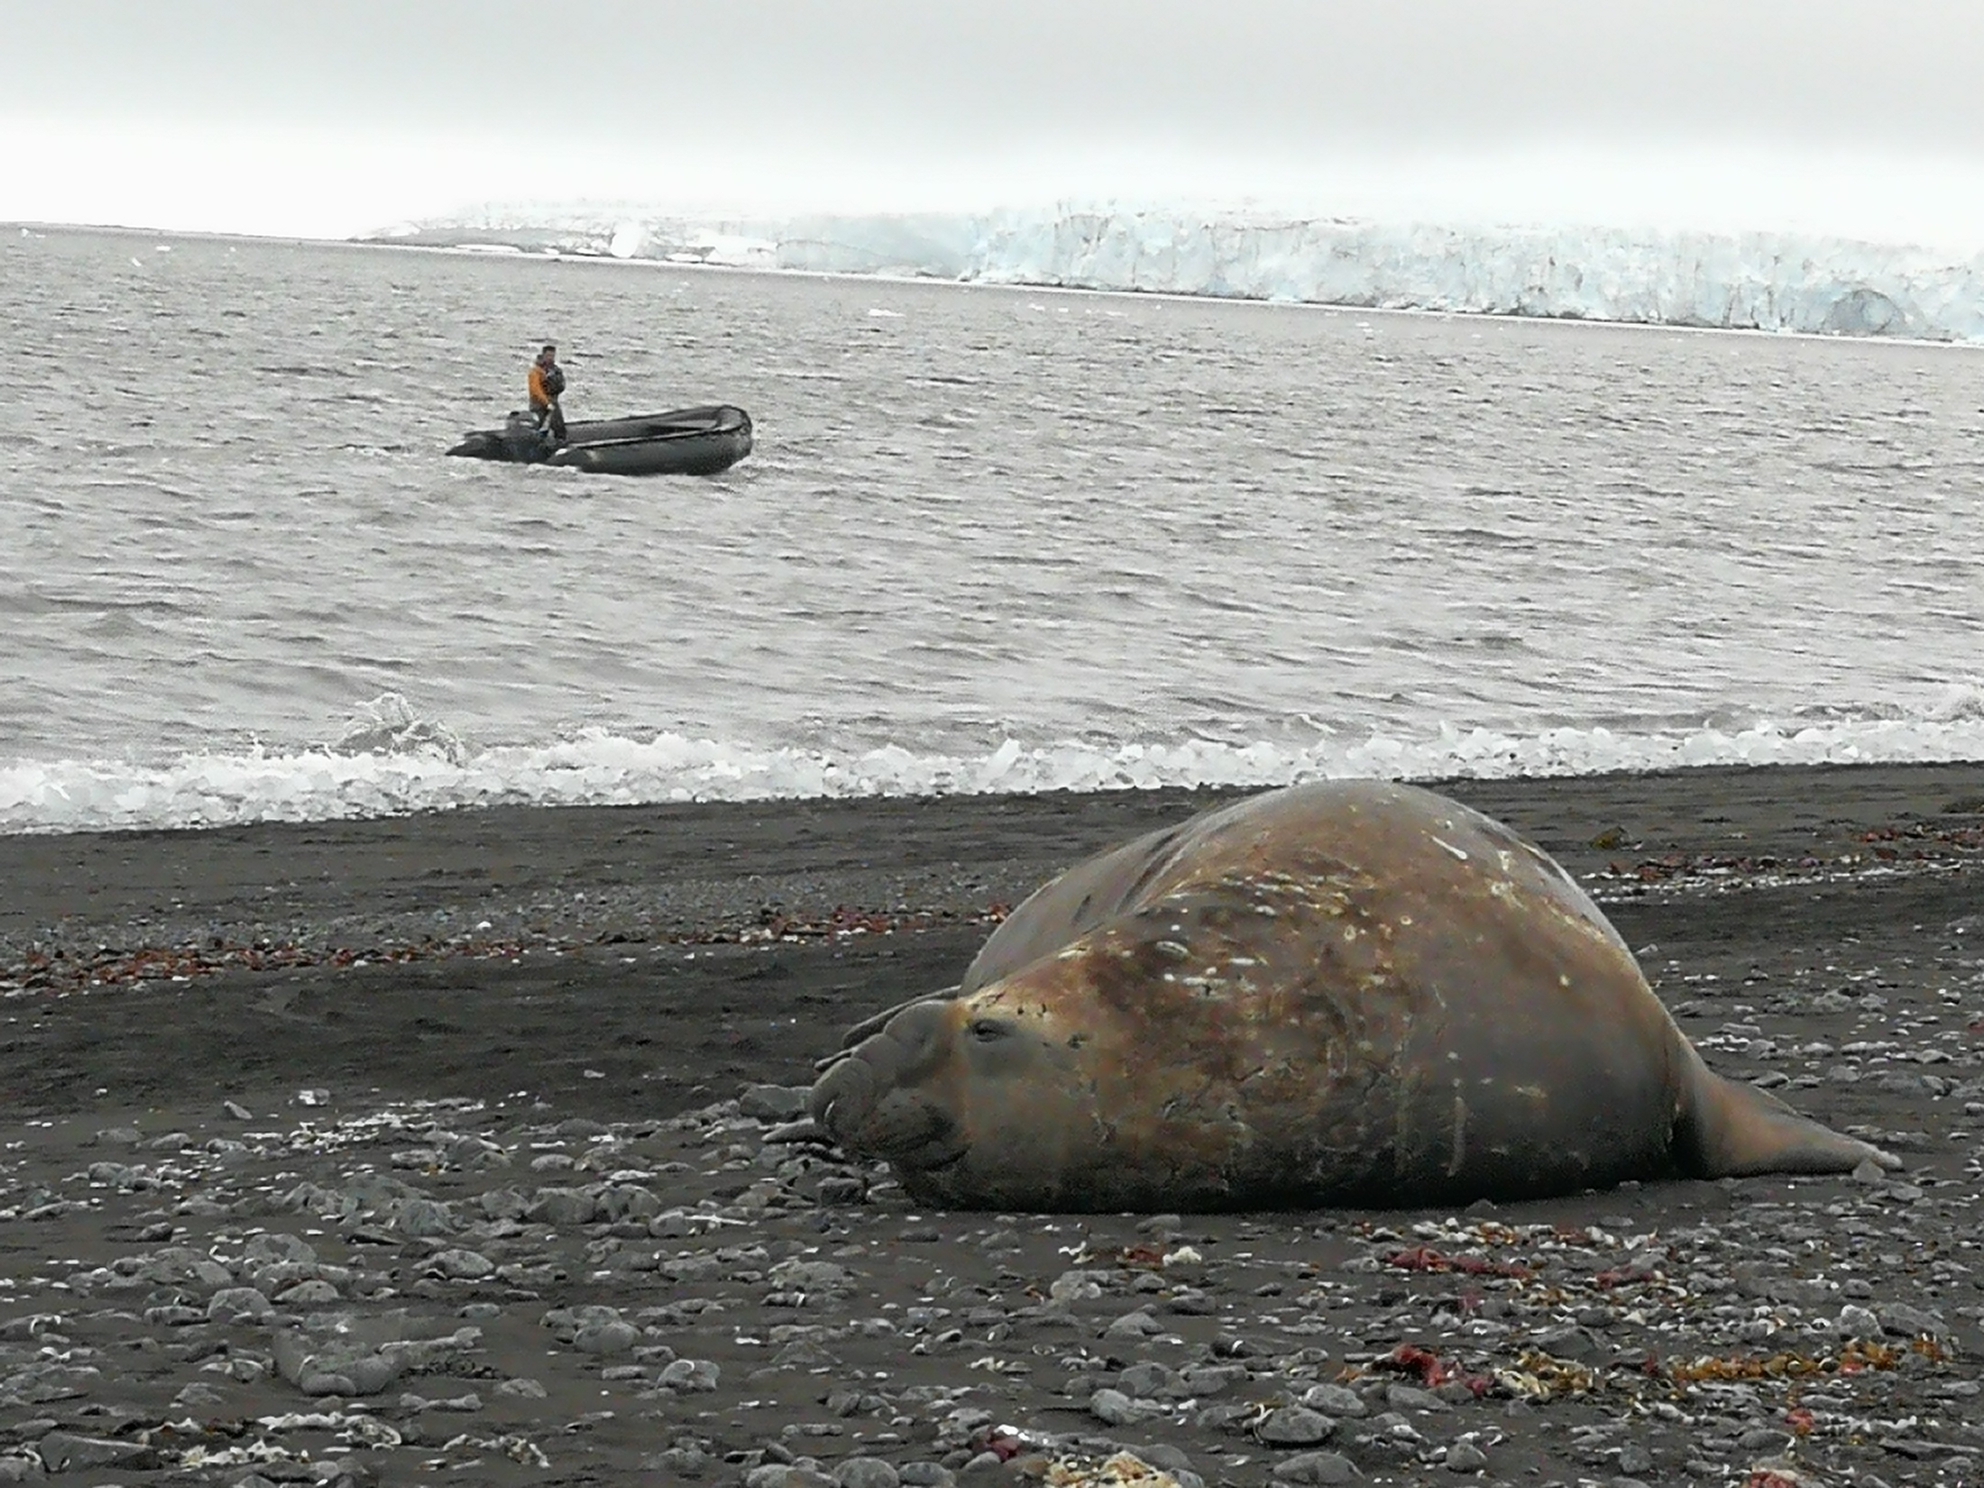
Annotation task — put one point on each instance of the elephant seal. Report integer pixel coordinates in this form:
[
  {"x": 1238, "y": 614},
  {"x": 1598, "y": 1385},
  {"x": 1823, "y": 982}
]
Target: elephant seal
[{"x": 1344, "y": 993}]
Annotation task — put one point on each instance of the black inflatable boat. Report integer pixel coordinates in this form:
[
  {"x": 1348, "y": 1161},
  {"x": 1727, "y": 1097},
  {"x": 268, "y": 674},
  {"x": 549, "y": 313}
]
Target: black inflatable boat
[{"x": 688, "y": 441}]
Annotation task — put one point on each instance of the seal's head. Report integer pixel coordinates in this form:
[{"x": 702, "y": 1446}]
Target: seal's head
[{"x": 971, "y": 1104}]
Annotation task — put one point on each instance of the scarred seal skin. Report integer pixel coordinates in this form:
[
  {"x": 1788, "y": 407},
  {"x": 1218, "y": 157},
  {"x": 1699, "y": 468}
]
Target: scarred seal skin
[{"x": 1353, "y": 992}]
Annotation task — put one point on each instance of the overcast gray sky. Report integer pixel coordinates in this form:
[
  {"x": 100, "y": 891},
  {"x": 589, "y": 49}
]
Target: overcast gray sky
[{"x": 338, "y": 116}]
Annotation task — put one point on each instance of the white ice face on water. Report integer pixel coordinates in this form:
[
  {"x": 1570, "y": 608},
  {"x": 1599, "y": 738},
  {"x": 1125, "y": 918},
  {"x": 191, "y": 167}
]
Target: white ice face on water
[{"x": 1754, "y": 281}]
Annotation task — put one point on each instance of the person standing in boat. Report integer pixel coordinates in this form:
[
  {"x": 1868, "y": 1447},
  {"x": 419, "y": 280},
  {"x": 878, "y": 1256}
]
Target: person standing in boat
[{"x": 547, "y": 383}]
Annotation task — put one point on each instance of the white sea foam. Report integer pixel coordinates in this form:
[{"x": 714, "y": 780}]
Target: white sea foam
[
  {"x": 424, "y": 768},
  {"x": 1773, "y": 281}
]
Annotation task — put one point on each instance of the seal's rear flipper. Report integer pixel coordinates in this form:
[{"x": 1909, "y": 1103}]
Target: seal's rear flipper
[{"x": 1731, "y": 1130}]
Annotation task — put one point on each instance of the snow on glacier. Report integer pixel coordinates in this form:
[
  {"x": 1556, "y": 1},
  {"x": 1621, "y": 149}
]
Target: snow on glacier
[{"x": 1752, "y": 281}]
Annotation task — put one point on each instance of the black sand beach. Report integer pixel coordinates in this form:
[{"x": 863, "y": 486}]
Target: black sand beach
[{"x": 407, "y": 1150}]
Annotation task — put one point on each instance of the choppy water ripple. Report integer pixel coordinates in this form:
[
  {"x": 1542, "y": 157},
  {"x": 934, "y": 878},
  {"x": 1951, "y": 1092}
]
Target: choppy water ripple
[{"x": 973, "y": 515}]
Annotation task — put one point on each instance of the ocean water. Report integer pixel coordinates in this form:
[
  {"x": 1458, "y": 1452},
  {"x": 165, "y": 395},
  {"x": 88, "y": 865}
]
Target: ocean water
[{"x": 989, "y": 539}]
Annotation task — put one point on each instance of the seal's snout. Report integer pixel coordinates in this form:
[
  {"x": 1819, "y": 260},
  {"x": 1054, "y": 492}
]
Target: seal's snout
[
  {"x": 848, "y": 1096},
  {"x": 843, "y": 1097},
  {"x": 917, "y": 1037}
]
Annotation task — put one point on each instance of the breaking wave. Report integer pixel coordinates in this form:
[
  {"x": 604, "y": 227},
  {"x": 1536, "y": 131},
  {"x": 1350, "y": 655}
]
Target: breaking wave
[{"x": 410, "y": 766}]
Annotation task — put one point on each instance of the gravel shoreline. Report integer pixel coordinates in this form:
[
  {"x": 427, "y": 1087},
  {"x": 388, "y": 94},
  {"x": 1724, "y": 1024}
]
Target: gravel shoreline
[{"x": 462, "y": 1146}]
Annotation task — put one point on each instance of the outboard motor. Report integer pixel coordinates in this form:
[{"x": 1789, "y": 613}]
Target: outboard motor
[{"x": 524, "y": 440}]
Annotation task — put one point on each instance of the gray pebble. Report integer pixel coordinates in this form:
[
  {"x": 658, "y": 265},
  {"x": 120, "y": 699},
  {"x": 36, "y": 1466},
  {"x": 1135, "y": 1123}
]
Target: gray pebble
[
  {"x": 811, "y": 1276},
  {"x": 698, "y": 1376},
  {"x": 562, "y": 1206},
  {"x": 1465, "y": 1457},
  {"x": 423, "y": 1219},
  {"x": 1295, "y": 1426},
  {"x": 1132, "y": 1326},
  {"x": 274, "y": 1245},
  {"x": 1335, "y": 1400},
  {"x": 1314, "y": 1467},
  {"x": 1148, "y": 1379},
  {"x": 786, "y": 1475},
  {"x": 1411, "y": 1397},
  {"x": 611, "y": 1337},
  {"x": 462, "y": 1265},
  {"x": 866, "y": 1472},
  {"x": 1114, "y": 1408},
  {"x": 234, "y": 1304}
]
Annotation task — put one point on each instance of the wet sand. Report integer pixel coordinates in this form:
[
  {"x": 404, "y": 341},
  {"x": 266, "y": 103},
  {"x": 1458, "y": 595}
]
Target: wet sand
[{"x": 369, "y": 1150}]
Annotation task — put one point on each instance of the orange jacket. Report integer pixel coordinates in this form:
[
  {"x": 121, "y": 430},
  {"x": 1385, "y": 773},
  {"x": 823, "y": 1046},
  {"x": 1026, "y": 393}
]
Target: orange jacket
[{"x": 539, "y": 396}]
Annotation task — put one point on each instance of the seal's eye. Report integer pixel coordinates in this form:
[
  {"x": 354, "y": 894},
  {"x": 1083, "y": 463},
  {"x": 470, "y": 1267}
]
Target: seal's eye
[{"x": 989, "y": 1030}]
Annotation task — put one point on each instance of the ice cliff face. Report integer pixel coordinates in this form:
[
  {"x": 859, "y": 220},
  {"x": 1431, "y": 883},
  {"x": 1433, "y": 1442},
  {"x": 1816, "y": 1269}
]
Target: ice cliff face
[{"x": 1759, "y": 281}]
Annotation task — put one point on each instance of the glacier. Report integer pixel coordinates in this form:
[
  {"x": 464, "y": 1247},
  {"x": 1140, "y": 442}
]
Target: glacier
[{"x": 1758, "y": 281}]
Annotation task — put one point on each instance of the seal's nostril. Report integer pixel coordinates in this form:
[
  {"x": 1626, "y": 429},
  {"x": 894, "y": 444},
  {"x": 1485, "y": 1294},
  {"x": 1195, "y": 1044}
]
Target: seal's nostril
[{"x": 920, "y": 1035}]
